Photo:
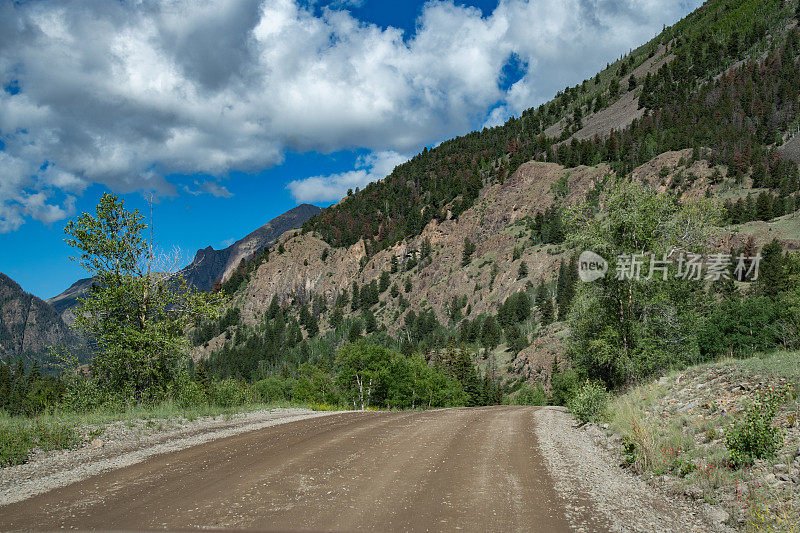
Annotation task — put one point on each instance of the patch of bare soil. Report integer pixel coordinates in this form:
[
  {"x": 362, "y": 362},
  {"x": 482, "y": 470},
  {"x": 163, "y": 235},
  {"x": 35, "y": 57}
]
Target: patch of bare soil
[{"x": 791, "y": 149}]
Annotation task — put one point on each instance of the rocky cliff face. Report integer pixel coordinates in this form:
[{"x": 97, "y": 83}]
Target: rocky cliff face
[
  {"x": 496, "y": 224},
  {"x": 65, "y": 302},
  {"x": 28, "y": 325},
  {"x": 210, "y": 265}
]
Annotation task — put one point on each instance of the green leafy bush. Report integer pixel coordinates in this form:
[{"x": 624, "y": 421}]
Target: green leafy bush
[
  {"x": 190, "y": 393},
  {"x": 590, "y": 402},
  {"x": 81, "y": 395},
  {"x": 754, "y": 437},
  {"x": 564, "y": 384},
  {"x": 228, "y": 393},
  {"x": 530, "y": 395},
  {"x": 274, "y": 389}
]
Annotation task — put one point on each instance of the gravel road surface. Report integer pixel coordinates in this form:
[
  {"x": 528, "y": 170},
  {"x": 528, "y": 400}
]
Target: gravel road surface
[{"x": 479, "y": 469}]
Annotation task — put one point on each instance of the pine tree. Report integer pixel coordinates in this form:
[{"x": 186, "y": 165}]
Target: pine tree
[
  {"x": 274, "y": 308},
  {"x": 759, "y": 175},
  {"x": 201, "y": 376},
  {"x": 19, "y": 371},
  {"x": 522, "y": 273},
  {"x": 764, "y": 206},
  {"x": 354, "y": 303},
  {"x": 469, "y": 249},
  {"x": 773, "y": 274},
  {"x": 355, "y": 331},
  {"x": 5, "y": 385},
  {"x": 36, "y": 371},
  {"x": 336, "y": 317},
  {"x": 369, "y": 294},
  {"x": 384, "y": 282},
  {"x": 516, "y": 340},
  {"x": 370, "y": 322},
  {"x": 464, "y": 372},
  {"x": 312, "y": 326},
  {"x": 425, "y": 249},
  {"x": 544, "y": 304},
  {"x": 566, "y": 286},
  {"x": 490, "y": 333}
]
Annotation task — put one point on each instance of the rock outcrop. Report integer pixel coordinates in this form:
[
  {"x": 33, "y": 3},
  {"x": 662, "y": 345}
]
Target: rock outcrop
[
  {"x": 29, "y": 326},
  {"x": 210, "y": 265}
]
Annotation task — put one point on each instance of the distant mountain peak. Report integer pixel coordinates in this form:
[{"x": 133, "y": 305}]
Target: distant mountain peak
[
  {"x": 210, "y": 265},
  {"x": 28, "y": 325}
]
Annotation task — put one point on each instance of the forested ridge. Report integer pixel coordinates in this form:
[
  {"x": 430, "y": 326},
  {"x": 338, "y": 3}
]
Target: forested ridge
[
  {"x": 729, "y": 94},
  {"x": 739, "y": 117}
]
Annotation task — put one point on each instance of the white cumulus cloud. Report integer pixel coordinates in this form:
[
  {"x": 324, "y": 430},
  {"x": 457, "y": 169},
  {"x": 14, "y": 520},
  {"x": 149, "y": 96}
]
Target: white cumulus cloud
[
  {"x": 331, "y": 188},
  {"x": 127, "y": 93}
]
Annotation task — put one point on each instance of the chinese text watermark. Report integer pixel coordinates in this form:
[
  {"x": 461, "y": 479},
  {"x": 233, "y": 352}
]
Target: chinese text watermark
[{"x": 685, "y": 266}]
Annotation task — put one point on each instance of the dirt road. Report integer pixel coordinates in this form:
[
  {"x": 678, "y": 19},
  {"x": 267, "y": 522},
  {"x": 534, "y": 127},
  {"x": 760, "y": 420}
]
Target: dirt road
[
  {"x": 474, "y": 469},
  {"x": 457, "y": 469}
]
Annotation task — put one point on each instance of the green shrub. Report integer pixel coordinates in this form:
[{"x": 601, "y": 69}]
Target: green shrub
[
  {"x": 530, "y": 395},
  {"x": 563, "y": 386},
  {"x": 274, "y": 389},
  {"x": 81, "y": 395},
  {"x": 190, "y": 393},
  {"x": 755, "y": 437},
  {"x": 228, "y": 393},
  {"x": 15, "y": 444},
  {"x": 590, "y": 402},
  {"x": 17, "y": 439}
]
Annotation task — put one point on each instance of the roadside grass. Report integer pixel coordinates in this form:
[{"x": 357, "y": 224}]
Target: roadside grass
[
  {"x": 763, "y": 515},
  {"x": 19, "y": 436},
  {"x": 56, "y": 430},
  {"x": 675, "y": 428}
]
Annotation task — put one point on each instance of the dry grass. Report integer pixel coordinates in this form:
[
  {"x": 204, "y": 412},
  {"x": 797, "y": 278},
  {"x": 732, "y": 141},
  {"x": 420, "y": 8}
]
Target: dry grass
[{"x": 676, "y": 427}]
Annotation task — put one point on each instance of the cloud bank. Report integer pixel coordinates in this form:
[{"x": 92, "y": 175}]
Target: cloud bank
[{"x": 127, "y": 93}]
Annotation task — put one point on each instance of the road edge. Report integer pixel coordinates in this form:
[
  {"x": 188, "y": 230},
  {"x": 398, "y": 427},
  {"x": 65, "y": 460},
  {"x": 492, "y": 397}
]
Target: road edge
[
  {"x": 52, "y": 470},
  {"x": 583, "y": 471}
]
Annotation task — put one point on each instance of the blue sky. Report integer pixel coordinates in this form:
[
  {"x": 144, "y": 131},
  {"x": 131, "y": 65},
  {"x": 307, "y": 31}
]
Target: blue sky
[{"x": 231, "y": 112}]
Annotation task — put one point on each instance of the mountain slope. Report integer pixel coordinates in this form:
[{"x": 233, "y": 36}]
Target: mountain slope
[
  {"x": 431, "y": 255},
  {"x": 666, "y": 97},
  {"x": 67, "y": 300},
  {"x": 498, "y": 223},
  {"x": 28, "y": 325},
  {"x": 211, "y": 265},
  {"x": 669, "y": 89}
]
